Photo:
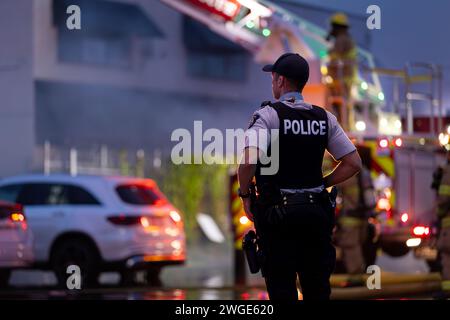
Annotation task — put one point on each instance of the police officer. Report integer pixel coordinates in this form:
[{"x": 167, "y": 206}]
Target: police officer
[{"x": 294, "y": 211}]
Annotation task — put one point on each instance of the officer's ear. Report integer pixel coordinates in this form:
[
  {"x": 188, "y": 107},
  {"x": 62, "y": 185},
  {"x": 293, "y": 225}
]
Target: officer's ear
[{"x": 279, "y": 80}]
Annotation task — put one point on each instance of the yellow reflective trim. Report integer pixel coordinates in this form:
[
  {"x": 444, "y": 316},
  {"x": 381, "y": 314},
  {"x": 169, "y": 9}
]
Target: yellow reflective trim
[
  {"x": 387, "y": 164},
  {"x": 446, "y": 222},
  {"x": 350, "y": 221},
  {"x": 236, "y": 205},
  {"x": 236, "y": 219},
  {"x": 390, "y": 222},
  {"x": 445, "y": 285},
  {"x": 444, "y": 190},
  {"x": 235, "y": 187},
  {"x": 238, "y": 244},
  {"x": 349, "y": 57}
]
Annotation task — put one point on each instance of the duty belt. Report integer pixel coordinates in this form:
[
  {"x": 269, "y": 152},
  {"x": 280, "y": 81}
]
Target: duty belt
[{"x": 302, "y": 198}]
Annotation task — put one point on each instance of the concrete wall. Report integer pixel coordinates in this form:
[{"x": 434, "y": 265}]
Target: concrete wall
[{"x": 16, "y": 87}]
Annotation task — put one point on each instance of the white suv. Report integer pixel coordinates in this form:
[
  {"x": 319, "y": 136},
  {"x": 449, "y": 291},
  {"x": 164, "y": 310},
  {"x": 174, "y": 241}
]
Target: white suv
[{"x": 99, "y": 224}]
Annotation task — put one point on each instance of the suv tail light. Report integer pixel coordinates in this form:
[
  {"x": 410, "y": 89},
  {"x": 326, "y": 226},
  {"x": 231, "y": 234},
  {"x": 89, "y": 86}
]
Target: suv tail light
[
  {"x": 17, "y": 217},
  {"x": 13, "y": 213}
]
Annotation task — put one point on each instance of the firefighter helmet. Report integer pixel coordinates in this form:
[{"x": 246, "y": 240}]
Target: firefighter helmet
[{"x": 340, "y": 19}]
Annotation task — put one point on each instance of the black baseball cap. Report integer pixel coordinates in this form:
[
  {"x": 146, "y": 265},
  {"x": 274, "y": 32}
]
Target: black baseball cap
[{"x": 290, "y": 65}]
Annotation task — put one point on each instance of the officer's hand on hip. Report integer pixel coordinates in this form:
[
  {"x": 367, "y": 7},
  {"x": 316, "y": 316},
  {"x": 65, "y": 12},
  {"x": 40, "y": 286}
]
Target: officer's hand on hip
[{"x": 246, "y": 202}]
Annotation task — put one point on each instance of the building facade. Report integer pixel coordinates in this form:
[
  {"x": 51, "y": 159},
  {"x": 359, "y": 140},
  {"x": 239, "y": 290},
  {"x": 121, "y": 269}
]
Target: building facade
[{"x": 136, "y": 71}]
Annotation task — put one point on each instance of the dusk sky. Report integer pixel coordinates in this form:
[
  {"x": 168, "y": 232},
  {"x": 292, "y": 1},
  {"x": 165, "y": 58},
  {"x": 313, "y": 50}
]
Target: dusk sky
[{"x": 411, "y": 30}]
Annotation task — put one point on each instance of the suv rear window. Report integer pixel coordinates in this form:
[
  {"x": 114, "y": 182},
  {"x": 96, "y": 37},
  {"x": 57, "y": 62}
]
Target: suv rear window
[{"x": 140, "y": 195}]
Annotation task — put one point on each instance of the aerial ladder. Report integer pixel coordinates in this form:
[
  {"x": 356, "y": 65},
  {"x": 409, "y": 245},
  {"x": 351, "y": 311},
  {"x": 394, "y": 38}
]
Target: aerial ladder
[{"x": 267, "y": 30}]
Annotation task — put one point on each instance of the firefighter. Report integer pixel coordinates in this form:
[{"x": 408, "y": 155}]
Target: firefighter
[
  {"x": 342, "y": 69},
  {"x": 358, "y": 204},
  {"x": 443, "y": 213}
]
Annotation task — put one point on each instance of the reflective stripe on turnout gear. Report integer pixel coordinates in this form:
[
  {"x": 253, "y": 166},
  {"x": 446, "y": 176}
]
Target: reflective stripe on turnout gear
[
  {"x": 445, "y": 285},
  {"x": 350, "y": 222},
  {"x": 446, "y": 222},
  {"x": 444, "y": 190}
]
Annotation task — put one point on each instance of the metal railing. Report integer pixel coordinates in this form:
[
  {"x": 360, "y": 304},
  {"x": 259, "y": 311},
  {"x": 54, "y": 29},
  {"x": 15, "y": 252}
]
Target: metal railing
[
  {"x": 426, "y": 76},
  {"x": 97, "y": 160}
]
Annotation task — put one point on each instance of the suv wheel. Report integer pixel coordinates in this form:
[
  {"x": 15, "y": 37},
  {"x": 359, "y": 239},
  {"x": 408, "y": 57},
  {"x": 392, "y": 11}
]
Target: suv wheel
[{"x": 78, "y": 252}]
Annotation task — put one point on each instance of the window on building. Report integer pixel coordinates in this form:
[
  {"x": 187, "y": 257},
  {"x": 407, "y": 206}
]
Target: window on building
[
  {"x": 95, "y": 49},
  {"x": 107, "y": 34},
  {"x": 217, "y": 65},
  {"x": 212, "y": 56}
]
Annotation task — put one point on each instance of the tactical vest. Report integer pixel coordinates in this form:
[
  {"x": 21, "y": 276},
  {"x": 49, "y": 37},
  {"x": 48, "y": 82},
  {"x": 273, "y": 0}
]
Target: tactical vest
[{"x": 303, "y": 138}]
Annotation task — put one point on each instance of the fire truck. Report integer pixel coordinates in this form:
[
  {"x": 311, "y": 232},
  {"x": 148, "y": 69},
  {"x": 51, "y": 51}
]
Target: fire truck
[{"x": 402, "y": 161}]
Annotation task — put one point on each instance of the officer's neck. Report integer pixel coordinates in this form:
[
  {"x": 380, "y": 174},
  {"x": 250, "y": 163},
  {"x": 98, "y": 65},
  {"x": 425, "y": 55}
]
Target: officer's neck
[{"x": 289, "y": 94}]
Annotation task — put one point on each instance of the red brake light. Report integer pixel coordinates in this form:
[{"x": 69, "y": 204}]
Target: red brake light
[
  {"x": 421, "y": 231},
  {"x": 160, "y": 202}
]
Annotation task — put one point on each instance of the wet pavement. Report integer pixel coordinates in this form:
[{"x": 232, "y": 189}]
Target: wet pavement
[
  {"x": 207, "y": 275},
  {"x": 136, "y": 293},
  {"x": 226, "y": 293}
]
